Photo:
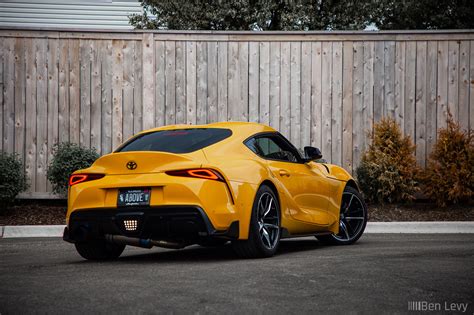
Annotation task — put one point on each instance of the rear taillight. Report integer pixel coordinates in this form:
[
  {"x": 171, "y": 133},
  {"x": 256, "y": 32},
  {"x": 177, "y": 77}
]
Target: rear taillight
[
  {"x": 204, "y": 173},
  {"x": 79, "y": 178}
]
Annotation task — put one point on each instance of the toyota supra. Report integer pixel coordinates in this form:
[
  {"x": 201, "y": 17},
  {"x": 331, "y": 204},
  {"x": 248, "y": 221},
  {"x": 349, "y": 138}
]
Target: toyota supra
[{"x": 236, "y": 182}]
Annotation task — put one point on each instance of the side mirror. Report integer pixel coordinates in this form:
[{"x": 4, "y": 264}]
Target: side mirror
[{"x": 312, "y": 153}]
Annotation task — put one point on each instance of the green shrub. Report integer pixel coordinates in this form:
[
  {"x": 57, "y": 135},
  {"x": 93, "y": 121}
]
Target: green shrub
[
  {"x": 388, "y": 171},
  {"x": 449, "y": 175},
  {"x": 68, "y": 158},
  {"x": 12, "y": 178}
]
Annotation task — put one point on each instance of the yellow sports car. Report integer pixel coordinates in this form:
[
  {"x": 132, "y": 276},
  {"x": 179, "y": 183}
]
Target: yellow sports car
[{"x": 180, "y": 185}]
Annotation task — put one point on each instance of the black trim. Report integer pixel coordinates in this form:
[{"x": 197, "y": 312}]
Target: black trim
[
  {"x": 301, "y": 160},
  {"x": 285, "y": 234},
  {"x": 66, "y": 235},
  {"x": 179, "y": 223}
]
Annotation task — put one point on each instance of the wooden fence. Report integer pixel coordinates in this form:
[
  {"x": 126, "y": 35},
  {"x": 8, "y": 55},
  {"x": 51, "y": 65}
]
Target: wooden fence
[{"x": 324, "y": 89}]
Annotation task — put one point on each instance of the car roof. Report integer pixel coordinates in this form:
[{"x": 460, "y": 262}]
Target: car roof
[{"x": 239, "y": 128}]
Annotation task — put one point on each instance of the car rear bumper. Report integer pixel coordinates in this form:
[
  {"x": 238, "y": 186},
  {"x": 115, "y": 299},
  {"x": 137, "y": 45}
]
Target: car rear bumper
[{"x": 187, "y": 224}]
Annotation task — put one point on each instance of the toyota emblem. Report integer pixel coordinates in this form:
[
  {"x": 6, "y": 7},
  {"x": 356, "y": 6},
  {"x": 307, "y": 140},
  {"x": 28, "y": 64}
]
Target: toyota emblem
[{"x": 131, "y": 165}]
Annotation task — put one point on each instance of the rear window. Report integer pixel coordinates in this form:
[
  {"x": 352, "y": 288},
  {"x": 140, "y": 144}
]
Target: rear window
[{"x": 176, "y": 141}]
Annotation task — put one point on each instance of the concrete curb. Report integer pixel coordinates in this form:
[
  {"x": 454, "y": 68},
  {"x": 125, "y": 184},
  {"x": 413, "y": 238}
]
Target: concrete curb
[
  {"x": 457, "y": 227},
  {"x": 454, "y": 227},
  {"x": 15, "y": 231}
]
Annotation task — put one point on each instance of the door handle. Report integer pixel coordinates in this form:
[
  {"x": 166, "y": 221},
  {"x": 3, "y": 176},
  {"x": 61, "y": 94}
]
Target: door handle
[{"x": 284, "y": 173}]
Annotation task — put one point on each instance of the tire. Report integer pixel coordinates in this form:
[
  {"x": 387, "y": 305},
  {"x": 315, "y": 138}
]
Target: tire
[
  {"x": 99, "y": 250},
  {"x": 352, "y": 219},
  {"x": 264, "y": 229}
]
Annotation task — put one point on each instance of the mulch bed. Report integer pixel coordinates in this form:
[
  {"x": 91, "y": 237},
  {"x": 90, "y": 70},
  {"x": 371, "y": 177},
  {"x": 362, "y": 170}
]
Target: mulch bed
[
  {"x": 42, "y": 212},
  {"x": 35, "y": 213},
  {"x": 420, "y": 212}
]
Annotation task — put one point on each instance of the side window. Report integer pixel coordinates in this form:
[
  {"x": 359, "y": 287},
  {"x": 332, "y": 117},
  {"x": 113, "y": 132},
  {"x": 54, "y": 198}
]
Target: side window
[{"x": 272, "y": 147}]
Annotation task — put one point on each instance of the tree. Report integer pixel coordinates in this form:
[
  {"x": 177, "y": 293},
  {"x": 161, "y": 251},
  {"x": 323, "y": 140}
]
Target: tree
[
  {"x": 304, "y": 14},
  {"x": 251, "y": 15},
  {"x": 388, "y": 171},
  {"x": 12, "y": 179},
  {"x": 449, "y": 175},
  {"x": 423, "y": 14}
]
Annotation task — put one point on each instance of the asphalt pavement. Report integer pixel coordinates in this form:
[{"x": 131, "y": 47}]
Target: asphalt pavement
[{"x": 381, "y": 273}]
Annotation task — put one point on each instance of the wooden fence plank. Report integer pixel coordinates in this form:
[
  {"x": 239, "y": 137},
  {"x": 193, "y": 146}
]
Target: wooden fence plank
[
  {"x": 264, "y": 89},
  {"x": 19, "y": 101},
  {"x": 285, "y": 89},
  {"x": 63, "y": 99},
  {"x": 222, "y": 79},
  {"x": 471, "y": 85},
  {"x": 316, "y": 109},
  {"x": 96, "y": 94},
  {"x": 442, "y": 85},
  {"x": 85, "y": 92},
  {"x": 368, "y": 107},
  {"x": 295, "y": 98},
  {"x": 42, "y": 114},
  {"x": 137, "y": 88},
  {"x": 74, "y": 91},
  {"x": 106, "y": 116},
  {"x": 181, "y": 82},
  {"x": 160, "y": 91},
  {"x": 274, "y": 101},
  {"x": 2, "y": 87},
  {"x": 389, "y": 79},
  {"x": 420, "y": 102},
  {"x": 357, "y": 124},
  {"x": 244, "y": 81},
  {"x": 463, "y": 100},
  {"x": 191, "y": 83},
  {"x": 30, "y": 112},
  {"x": 201, "y": 80},
  {"x": 347, "y": 104},
  {"x": 170, "y": 85},
  {"x": 2, "y": 62},
  {"x": 379, "y": 80},
  {"x": 117, "y": 93},
  {"x": 399, "y": 97},
  {"x": 212, "y": 114},
  {"x": 19, "y": 97},
  {"x": 336, "y": 130},
  {"x": 254, "y": 79},
  {"x": 151, "y": 115},
  {"x": 453, "y": 79},
  {"x": 9, "y": 95},
  {"x": 410, "y": 90},
  {"x": 431, "y": 81},
  {"x": 305, "y": 107},
  {"x": 326, "y": 101},
  {"x": 233, "y": 81},
  {"x": 128, "y": 78}
]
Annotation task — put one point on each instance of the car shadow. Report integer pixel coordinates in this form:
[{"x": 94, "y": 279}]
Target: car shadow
[{"x": 201, "y": 254}]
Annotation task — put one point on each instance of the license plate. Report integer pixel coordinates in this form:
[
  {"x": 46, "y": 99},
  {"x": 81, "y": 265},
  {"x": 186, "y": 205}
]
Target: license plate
[{"x": 134, "y": 197}]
